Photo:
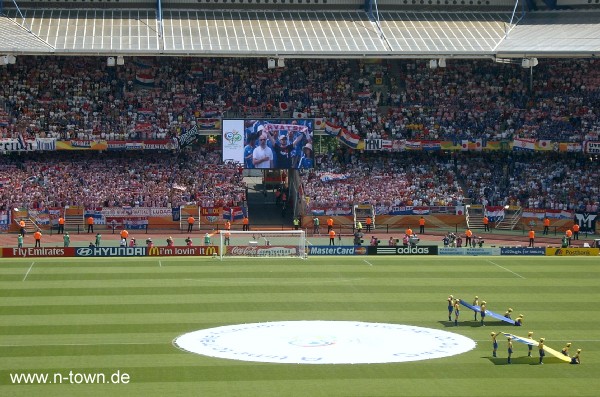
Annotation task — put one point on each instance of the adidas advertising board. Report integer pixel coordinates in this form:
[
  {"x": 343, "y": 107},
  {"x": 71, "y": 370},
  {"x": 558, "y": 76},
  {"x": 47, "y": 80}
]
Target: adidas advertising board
[{"x": 418, "y": 250}]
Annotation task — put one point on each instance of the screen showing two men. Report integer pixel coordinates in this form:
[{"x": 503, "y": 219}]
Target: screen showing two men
[{"x": 269, "y": 144}]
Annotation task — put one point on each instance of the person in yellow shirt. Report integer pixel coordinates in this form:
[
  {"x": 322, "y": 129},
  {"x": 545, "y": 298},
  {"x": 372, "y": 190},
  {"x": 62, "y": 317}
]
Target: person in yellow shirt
[
  {"x": 541, "y": 350},
  {"x": 575, "y": 359},
  {"x": 456, "y": 311},
  {"x": 510, "y": 349},
  {"x": 450, "y": 307},
  {"x": 494, "y": 343},
  {"x": 529, "y": 347},
  {"x": 482, "y": 314},
  {"x": 475, "y": 303},
  {"x": 565, "y": 350}
]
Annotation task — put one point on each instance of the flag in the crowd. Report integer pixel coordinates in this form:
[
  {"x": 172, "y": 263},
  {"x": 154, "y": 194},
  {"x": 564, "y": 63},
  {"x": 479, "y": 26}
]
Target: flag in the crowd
[
  {"x": 363, "y": 95},
  {"x": 349, "y": 138},
  {"x": 460, "y": 210},
  {"x": 3, "y": 122},
  {"x": 544, "y": 144},
  {"x": 495, "y": 213},
  {"x": 144, "y": 79},
  {"x": 188, "y": 137},
  {"x": 197, "y": 71},
  {"x": 179, "y": 187},
  {"x": 478, "y": 144},
  {"x": 300, "y": 115},
  {"x": 331, "y": 129},
  {"x": 523, "y": 144},
  {"x": 412, "y": 145},
  {"x": 319, "y": 124},
  {"x": 207, "y": 124},
  {"x": 464, "y": 145},
  {"x": 283, "y": 106}
]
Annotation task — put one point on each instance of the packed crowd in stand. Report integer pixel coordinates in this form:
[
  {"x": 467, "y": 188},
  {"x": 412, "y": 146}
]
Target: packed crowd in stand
[
  {"x": 82, "y": 98},
  {"x": 414, "y": 179},
  {"x": 59, "y": 179},
  {"x": 531, "y": 180}
]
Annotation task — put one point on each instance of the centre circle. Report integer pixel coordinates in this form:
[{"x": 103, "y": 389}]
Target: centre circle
[{"x": 324, "y": 342}]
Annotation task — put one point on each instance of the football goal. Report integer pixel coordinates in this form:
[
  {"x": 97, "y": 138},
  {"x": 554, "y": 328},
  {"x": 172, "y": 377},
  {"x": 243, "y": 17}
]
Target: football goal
[{"x": 263, "y": 244}]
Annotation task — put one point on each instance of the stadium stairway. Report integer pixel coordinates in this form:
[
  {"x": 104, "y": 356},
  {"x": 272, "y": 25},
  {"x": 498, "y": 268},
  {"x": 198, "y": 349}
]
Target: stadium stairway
[
  {"x": 75, "y": 223},
  {"x": 30, "y": 225},
  {"x": 264, "y": 212}
]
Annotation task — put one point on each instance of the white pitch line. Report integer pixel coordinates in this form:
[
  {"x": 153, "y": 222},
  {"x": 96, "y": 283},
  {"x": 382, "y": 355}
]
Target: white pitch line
[
  {"x": 26, "y": 274},
  {"x": 159, "y": 264},
  {"x": 85, "y": 344},
  {"x": 370, "y": 264},
  {"x": 508, "y": 270}
]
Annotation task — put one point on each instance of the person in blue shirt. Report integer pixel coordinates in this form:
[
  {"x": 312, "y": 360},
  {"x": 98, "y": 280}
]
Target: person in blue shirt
[
  {"x": 248, "y": 150},
  {"x": 306, "y": 161}
]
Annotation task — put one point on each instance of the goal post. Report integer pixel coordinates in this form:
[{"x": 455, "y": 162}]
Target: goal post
[{"x": 263, "y": 244}]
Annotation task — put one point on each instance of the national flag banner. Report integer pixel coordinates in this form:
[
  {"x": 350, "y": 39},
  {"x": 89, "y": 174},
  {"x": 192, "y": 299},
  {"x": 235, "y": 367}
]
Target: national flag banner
[
  {"x": 464, "y": 145},
  {"x": 198, "y": 71},
  {"x": 300, "y": 115},
  {"x": 494, "y": 213},
  {"x": 319, "y": 124},
  {"x": 523, "y": 144},
  {"x": 387, "y": 144},
  {"x": 413, "y": 145},
  {"x": 210, "y": 82},
  {"x": 398, "y": 145},
  {"x": 207, "y": 124},
  {"x": 145, "y": 79},
  {"x": 431, "y": 145},
  {"x": 544, "y": 144},
  {"x": 3, "y": 122},
  {"x": 460, "y": 209},
  {"x": 284, "y": 106},
  {"x": 332, "y": 129},
  {"x": 479, "y": 144},
  {"x": 570, "y": 147},
  {"x": 179, "y": 187},
  {"x": 349, "y": 138},
  {"x": 363, "y": 95}
]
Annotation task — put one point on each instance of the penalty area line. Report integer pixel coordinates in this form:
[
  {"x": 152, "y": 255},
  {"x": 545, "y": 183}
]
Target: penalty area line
[
  {"x": 370, "y": 264},
  {"x": 30, "y": 267},
  {"x": 508, "y": 270}
]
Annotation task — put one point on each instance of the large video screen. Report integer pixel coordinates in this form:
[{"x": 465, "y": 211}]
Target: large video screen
[{"x": 269, "y": 144}]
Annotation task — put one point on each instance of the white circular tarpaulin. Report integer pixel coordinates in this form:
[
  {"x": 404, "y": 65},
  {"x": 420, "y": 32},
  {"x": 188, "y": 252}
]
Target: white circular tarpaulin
[{"x": 324, "y": 342}]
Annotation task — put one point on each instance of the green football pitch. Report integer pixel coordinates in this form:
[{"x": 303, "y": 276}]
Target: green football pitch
[{"x": 119, "y": 317}]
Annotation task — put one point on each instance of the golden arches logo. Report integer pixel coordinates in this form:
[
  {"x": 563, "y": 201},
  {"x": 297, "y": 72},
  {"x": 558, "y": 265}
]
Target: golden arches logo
[
  {"x": 153, "y": 251},
  {"x": 210, "y": 250}
]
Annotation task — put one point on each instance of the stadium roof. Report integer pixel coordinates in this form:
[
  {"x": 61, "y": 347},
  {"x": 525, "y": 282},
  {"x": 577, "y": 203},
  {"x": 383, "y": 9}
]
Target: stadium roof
[{"x": 297, "y": 33}]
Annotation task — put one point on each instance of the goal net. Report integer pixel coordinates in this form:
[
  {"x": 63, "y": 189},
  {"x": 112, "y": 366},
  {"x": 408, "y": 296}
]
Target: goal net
[{"x": 263, "y": 243}]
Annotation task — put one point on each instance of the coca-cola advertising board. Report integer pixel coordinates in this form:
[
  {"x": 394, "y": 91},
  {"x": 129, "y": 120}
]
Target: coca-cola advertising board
[{"x": 262, "y": 250}]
